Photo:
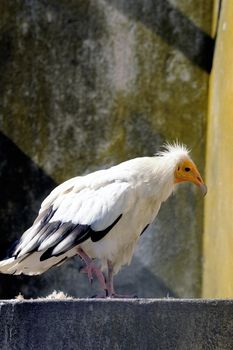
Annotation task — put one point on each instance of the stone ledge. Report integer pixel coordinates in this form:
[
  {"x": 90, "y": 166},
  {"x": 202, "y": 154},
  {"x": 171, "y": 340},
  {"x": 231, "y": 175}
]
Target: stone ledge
[{"x": 142, "y": 324}]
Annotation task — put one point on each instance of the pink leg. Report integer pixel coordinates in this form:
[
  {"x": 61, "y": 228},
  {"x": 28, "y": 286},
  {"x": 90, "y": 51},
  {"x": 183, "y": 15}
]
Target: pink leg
[
  {"x": 110, "y": 288},
  {"x": 91, "y": 269}
]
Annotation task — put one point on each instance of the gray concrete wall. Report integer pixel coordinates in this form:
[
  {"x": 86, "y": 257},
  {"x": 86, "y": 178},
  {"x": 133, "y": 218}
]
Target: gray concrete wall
[
  {"x": 87, "y": 84},
  {"x": 116, "y": 325}
]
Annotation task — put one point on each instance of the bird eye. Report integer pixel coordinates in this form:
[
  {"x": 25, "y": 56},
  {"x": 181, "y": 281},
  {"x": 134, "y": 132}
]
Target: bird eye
[
  {"x": 187, "y": 169},
  {"x": 178, "y": 168}
]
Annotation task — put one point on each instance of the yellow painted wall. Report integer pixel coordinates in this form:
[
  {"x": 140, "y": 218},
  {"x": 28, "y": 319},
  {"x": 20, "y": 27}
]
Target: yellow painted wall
[{"x": 218, "y": 238}]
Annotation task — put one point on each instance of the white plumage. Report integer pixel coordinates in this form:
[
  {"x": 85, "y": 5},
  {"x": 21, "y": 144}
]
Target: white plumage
[{"x": 101, "y": 215}]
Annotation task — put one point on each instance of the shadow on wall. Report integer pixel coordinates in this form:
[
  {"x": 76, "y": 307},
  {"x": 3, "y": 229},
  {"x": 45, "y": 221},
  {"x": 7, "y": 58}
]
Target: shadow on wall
[
  {"x": 148, "y": 285},
  {"x": 173, "y": 27},
  {"x": 23, "y": 186}
]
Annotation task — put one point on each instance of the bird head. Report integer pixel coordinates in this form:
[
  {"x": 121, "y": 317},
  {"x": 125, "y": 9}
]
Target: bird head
[
  {"x": 186, "y": 170},
  {"x": 182, "y": 166}
]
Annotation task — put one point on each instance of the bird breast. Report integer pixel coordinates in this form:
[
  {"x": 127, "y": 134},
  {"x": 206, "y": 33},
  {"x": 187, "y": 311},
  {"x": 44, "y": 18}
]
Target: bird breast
[{"x": 118, "y": 245}]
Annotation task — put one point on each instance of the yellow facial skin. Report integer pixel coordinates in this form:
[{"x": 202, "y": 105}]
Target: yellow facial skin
[{"x": 187, "y": 171}]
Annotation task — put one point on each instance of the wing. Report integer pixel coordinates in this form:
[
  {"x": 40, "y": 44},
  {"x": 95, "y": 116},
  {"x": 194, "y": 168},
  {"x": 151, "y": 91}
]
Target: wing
[{"x": 73, "y": 213}]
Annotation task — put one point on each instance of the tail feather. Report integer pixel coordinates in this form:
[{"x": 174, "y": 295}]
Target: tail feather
[
  {"x": 6, "y": 264},
  {"x": 31, "y": 264}
]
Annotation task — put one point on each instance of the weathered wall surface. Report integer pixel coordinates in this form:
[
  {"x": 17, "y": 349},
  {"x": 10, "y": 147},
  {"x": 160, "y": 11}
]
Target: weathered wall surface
[
  {"x": 125, "y": 325},
  {"x": 218, "y": 243},
  {"x": 87, "y": 84}
]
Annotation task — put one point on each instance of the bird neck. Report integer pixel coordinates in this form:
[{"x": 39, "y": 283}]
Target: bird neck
[{"x": 164, "y": 178}]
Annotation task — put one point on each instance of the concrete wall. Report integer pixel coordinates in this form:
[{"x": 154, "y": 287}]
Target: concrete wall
[
  {"x": 218, "y": 245},
  {"x": 125, "y": 325},
  {"x": 87, "y": 84}
]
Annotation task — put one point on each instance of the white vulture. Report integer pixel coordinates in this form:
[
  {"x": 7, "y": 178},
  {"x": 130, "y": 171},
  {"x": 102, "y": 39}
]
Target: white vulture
[{"x": 101, "y": 216}]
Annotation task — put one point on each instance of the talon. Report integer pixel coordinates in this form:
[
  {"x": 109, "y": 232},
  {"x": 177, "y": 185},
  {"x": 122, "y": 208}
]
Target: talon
[{"x": 122, "y": 296}]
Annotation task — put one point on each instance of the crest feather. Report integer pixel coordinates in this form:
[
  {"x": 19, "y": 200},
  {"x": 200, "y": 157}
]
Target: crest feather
[{"x": 175, "y": 148}]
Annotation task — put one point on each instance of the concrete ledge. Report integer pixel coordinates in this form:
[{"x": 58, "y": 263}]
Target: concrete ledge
[{"x": 87, "y": 324}]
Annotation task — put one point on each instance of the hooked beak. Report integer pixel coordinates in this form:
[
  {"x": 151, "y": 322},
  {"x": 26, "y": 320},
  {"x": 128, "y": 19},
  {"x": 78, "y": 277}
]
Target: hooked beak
[
  {"x": 197, "y": 179},
  {"x": 203, "y": 188}
]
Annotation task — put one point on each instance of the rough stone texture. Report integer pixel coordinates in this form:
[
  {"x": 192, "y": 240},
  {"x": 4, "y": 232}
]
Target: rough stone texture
[
  {"x": 129, "y": 324},
  {"x": 87, "y": 84}
]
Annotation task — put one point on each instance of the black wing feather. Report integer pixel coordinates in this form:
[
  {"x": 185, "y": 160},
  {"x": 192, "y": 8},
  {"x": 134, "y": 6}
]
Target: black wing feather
[
  {"x": 98, "y": 235},
  {"x": 80, "y": 234},
  {"x": 46, "y": 229}
]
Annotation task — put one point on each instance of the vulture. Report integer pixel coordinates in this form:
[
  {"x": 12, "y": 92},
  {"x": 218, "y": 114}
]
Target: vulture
[{"x": 101, "y": 216}]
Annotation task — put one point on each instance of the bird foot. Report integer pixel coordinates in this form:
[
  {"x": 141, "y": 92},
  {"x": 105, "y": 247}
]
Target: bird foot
[
  {"x": 105, "y": 295},
  {"x": 91, "y": 269},
  {"x": 123, "y": 296}
]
